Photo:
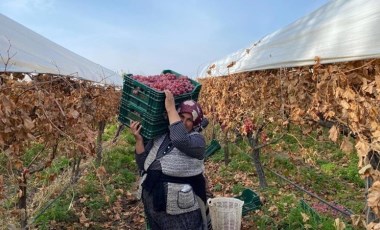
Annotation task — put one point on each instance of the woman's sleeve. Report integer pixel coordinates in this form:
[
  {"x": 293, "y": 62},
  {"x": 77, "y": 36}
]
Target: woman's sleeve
[
  {"x": 140, "y": 158},
  {"x": 193, "y": 145}
]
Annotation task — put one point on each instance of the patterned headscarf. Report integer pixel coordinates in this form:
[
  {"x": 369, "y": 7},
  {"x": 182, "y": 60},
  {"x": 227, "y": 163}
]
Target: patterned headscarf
[{"x": 194, "y": 109}]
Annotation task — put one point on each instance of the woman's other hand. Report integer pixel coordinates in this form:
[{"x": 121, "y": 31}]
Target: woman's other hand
[{"x": 136, "y": 128}]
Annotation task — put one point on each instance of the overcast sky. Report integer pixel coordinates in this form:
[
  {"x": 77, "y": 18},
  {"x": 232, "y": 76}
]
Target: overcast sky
[{"x": 148, "y": 36}]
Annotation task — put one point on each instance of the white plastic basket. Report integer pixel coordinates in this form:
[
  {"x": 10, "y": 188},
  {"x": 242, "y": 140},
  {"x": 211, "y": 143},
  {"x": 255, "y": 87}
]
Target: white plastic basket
[{"x": 225, "y": 213}]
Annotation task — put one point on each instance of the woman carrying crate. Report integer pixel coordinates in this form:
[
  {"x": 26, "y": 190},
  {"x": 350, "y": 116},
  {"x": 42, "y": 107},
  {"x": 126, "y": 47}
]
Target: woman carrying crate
[{"x": 173, "y": 186}]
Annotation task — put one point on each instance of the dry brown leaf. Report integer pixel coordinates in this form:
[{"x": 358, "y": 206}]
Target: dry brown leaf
[
  {"x": 308, "y": 226},
  {"x": 373, "y": 226},
  {"x": 7, "y": 105},
  {"x": 349, "y": 94},
  {"x": 73, "y": 114},
  {"x": 83, "y": 219},
  {"x": 30, "y": 136},
  {"x": 365, "y": 171},
  {"x": 358, "y": 220},
  {"x": 18, "y": 164},
  {"x": 101, "y": 171},
  {"x": 344, "y": 104},
  {"x": 19, "y": 193},
  {"x": 333, "y": 133},
  {"x": 362, "y": 148},
  {"x": 374, "y": 197},
  {"x": 377, "y": 81},
  {"x": 305, "y": 217},
  {"x": 346, "y": 145},
  {"x": 375, "y": 145},
  {"x": 274, "y": 210},
  {"x": 339, "y": 224},
  {"x": 354, "y": 116},
  {"x": 376, "y": 134},
  {"x": 28, "y": 123},
  {"x": 329, "y": 114}
]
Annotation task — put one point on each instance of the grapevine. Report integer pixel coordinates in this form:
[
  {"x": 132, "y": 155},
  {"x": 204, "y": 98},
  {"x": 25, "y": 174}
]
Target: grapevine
[
  {"x": 344, "y": 95},
  {"x": 60, "y": 113}
]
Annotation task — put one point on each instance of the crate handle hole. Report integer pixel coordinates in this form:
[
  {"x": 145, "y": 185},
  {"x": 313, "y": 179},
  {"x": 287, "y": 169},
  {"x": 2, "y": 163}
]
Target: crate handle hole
[{"x": 136, "y": 90}]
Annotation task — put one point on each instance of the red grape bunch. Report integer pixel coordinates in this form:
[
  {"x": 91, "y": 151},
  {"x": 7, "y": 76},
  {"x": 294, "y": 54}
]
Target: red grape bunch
[
  {"x": 176, "y": 85},
  {"x": 248, "y": 127},
  {"x": 325, "y": 209}
]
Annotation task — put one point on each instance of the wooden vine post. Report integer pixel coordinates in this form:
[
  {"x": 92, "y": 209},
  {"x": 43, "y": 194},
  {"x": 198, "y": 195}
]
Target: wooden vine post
[
  {"x": 22, "y": 199},
  {"x": 226, "y": 150},
  {"x": 99, "y": 146}
]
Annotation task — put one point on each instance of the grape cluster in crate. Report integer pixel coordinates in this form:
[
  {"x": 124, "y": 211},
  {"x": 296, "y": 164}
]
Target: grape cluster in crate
[{"x": 176, "y": 85}]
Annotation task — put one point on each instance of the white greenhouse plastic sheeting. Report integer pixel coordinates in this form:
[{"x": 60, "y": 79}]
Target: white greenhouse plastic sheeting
[
  {"x": 341, "y": 30},
  {"x": 30, "y": 52}
]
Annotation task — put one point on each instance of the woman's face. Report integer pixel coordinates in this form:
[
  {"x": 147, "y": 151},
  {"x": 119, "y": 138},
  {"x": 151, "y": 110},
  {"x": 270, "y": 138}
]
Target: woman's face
[{"x": 187, "y": 119}]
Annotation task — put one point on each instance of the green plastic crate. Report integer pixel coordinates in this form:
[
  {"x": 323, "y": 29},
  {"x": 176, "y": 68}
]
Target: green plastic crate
[
  {"x": 151, "y": 126},
  {"x": 251, "y": 201},
  {"x": 141, "y": 111},
  {"x": 212, "y": 148},
  {"x": 309, "y": 210},
  {"x": 151, "y": 100},
  {"x": 171, "y": 71}
]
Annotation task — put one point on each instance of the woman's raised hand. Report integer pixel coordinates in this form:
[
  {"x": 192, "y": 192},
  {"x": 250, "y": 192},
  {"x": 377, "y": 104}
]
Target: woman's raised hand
[{"x": 169, "y": 101}]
